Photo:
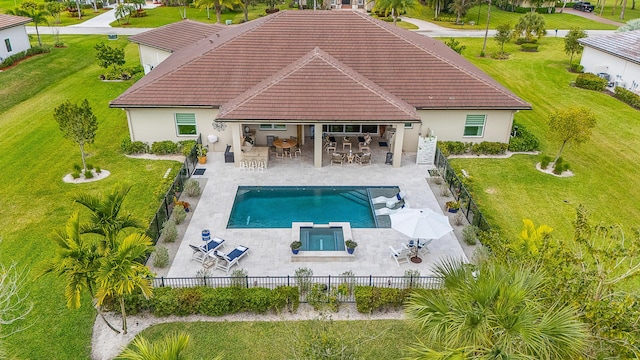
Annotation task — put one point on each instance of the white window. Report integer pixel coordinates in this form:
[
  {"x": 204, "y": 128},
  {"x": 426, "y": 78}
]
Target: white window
[
  {"x": 474, "y": 126},
  {"x": 408, "y": 125},
  {"x": 361, "y": 2},
  {"x": 273, "y": 127},
  {"x": 7, "y": 44},
  {"x": 186, "y": 124}
]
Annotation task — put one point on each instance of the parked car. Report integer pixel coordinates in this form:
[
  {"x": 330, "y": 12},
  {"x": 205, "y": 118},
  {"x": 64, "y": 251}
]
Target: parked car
[{"x": 583, "y": 6}]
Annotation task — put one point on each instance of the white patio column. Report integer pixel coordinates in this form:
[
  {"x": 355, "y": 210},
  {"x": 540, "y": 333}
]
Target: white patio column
[
  {"x": 397, "y": 145},
  {"x": 317, "y": 145},
  {"x": 236, "y": 145}
]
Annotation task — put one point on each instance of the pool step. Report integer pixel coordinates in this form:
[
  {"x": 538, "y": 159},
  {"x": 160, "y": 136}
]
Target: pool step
[{"x": 357, "y": 196}]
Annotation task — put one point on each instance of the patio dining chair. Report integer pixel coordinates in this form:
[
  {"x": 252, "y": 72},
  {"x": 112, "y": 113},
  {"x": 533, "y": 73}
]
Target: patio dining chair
[
  {"x": 365, "y": 159},
  {"x": 337, "y": 159}
]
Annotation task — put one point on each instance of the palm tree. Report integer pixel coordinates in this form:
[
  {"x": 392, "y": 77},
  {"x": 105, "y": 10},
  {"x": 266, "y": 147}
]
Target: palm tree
[
  {"x": 530, "y": 24},
  {"x": 220, "y": 4},
  {"x": 32, "y": 10},
  {"x": 207, "y": 4},
  {"x": 493, "y": 313},
  {"x": 121, "y": 273},
  {"x": 169, "y": 348},
  {"x": 395, "y": 7},
  {"x": 77, "y": 260},
  {"x": 107, "y": 217},
  {"x": 460, "y": 7}
]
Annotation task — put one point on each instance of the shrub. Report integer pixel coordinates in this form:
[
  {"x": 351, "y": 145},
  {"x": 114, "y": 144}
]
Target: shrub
[
  {"x": 75, "y": 174},
  {"x": 523, "y": 140},
  {"x": 320, "y": 298},
  {"x": 370, "y": 299},
  {"x": 458, "y": 219},
  {"x": 161, "y": 257},
  {"x": 188, "y": 301},
  {"x": 170, "y": 231},
  {"x": 576, "y": 68},
  {"x": 544, "y": 162},
  {"x": 286, "y": 297},
  {"x": 409, "y": 280},
  {"x": 627, "y": 96},
  {"x": 560, "y": 166},
  {"x": 98, "y": 170},
  {"x": 77, "y": 167},
  {"x": 489, "y": 148},
  {"x": 88, "y": 174},
  {"x": 136, "y": 147},
  {"x": 178, "y": 214},
  {"x": 258, "y": 300},
  {"x": 470, "y": 234},
  {"x": 528, "y": 47},
  {"x": 591, "y": 82},
  {"x": 239, "y": 278},
  {"x": 89, "y": 166},
  {"x": 303, "y": 279},
  {"x": 186, "y": 146},
  {"x": 15, "y": 58},
  {"x": 192, "y": 188},
  {"x": 164, "y": 147}
]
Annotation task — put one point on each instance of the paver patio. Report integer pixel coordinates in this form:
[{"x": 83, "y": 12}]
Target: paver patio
[{"x": 269, "y": 253}]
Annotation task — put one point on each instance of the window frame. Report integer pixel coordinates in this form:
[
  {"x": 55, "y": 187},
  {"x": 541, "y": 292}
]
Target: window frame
[
  {"x": 178, "y": 123},
  {"x": 472, "y": 121},
  {"x": 276, "y": 127},
  {"x": 7, "y": 45}
]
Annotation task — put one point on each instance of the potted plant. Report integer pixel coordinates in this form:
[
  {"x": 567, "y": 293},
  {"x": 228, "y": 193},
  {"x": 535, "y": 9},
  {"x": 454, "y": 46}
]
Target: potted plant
[
  {"x": 295, "y": 246},
  {"x": 201, "y": 151},
  {"x": 453, "y": 206},
  {"x": 350, "y": 245}
]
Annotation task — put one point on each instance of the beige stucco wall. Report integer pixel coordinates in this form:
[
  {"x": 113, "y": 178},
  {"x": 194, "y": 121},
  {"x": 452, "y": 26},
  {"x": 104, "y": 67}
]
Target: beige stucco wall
[{"x": 151, "y": 56}]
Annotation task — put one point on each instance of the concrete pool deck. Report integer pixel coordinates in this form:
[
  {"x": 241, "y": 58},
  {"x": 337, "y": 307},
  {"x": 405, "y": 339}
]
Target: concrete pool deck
[{"x": 269, "y": 253}]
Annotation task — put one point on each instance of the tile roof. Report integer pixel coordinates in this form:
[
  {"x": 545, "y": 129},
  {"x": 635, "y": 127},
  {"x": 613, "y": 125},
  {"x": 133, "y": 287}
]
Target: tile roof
[
  {"x": 420, "y": 71},
  {"x": 175, "y": 36},
  {"x": 625, "y": 45},
  {"x": 8, "y": 21},
  {"x": 310, "y": 88}
]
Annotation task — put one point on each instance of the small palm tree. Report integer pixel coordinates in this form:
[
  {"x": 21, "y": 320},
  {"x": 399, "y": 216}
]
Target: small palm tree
[
  {"x": 121, "y": 273},
  {"x": 169, "y": 348},
  {"x": 395, "y": 7},
  {"x": 531, "y": 24},
  {"x": 34, "y": 11},
  {"x": 107, "y": 218},
  {"x": 493, "y": 313}
]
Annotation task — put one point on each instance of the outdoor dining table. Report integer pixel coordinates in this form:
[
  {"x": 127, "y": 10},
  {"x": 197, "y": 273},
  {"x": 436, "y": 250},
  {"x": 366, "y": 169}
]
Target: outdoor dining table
[{"x": 284, "y": 143}]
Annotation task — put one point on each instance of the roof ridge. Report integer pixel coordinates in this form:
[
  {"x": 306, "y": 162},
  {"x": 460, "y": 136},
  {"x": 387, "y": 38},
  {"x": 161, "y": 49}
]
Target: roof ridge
[
  {"x": 317, "y": 53},
  {"x": 391, "y": 30}
]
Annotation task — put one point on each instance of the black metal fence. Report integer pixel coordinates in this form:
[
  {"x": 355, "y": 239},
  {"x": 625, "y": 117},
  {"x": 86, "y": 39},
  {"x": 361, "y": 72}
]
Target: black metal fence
[
  {"x": 468, "y": 207},
  {"x": 305, "y": 283},
  {"x": 175, "y": 190}
]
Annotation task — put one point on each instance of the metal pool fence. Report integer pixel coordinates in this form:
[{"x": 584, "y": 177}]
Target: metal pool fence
[
  {"x": 327, "y": 284},
  {"x": 467, "y": 205}
]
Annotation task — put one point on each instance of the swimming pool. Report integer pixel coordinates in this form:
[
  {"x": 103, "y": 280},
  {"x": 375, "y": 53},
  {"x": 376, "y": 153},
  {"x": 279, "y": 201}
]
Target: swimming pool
[{"x": 279, "y": 206}]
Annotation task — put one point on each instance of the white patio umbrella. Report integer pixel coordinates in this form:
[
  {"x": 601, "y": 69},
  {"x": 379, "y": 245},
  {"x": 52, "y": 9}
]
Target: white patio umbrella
[{"x": 420, "y": 223}]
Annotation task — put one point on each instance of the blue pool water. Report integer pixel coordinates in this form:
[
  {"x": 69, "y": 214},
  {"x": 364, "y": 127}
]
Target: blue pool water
[
  {"x": 279, "y": 206},
  {"x": 322, "y": 239}
]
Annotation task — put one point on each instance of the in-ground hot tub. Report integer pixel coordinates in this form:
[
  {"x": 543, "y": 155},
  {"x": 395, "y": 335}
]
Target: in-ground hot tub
[{"x": 322, "y": 242}]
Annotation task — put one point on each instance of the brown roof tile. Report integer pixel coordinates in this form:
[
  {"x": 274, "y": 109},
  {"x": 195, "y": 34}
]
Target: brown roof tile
[
  {"x": 420, "y": 71},
  {"x": 175, "y": 36},
  {"x": 313, "y": 88},
  {"x": 8, "y": 21}
]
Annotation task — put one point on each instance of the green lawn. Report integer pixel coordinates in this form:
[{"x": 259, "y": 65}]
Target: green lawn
[
  {"x": 380, "y": 339},
  {"x": 66, "y": 18},
  {"x": 552, "y": 21},
  {"x": 34, "y": 158},
  {"x": 608, "y": 12},
  {"x": 605, "y": 168}
]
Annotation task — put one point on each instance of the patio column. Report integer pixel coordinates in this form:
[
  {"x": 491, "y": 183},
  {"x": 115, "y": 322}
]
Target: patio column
[
  {"x": 236, "y": 145},
  {"x": 397, "y": 145},
  {"x": 317, "y": 145}
]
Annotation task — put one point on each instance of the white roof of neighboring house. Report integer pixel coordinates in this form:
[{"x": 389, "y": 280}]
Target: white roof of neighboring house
[
  {"x": 625, "y": 45},
  {"x": 9, "y": 21}
]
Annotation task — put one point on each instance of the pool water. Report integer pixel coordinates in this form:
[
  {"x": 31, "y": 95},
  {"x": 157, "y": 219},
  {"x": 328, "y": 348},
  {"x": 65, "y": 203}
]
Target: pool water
[
  {"x": 321, "y": 239},
  {"x": 279, "y": 206}
]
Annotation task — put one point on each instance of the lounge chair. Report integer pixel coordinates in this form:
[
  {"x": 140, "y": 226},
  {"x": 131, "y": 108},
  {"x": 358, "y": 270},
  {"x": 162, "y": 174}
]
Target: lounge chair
[
  {"x": 226, "y": 261},
  {"x": 337, "y": 159},
  {"x": 387, "y": 211},
  {"x": 423, "y": 245},
  {"x": 400, "y": 255},
  {"x": 201, "y": 253},
  {"x": 386, "y": 200}
]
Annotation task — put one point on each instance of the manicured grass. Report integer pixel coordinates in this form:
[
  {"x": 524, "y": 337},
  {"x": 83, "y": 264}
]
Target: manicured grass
[
  {"x": 605, "y": 168},
  {"x": 608, "y": 12},
  {"x": 164, "y": 15},
  {"x": 34, "y": 157},
  {"x": 379, "y": 339},
  {"x": 498, "y": 16},
  {"x": 66, "y": 18}
]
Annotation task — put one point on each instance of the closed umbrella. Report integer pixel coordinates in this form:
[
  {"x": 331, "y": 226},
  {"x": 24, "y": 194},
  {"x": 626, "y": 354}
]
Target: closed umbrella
[{"x": 420, "y": 223}]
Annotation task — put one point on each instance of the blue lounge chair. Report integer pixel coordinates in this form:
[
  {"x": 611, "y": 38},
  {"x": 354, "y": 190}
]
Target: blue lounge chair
[
  {"x": 201, "y": 253},
  {"x": 226, "y": 261}
]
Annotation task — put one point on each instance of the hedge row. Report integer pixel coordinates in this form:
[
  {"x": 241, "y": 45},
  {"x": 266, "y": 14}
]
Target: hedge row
[
  {"x": 524, "y": 140},
  {"x": 627, "y": 96},
  {"x": 459, "y": 148},
  {"x": 214, "y": 301},
  {"x": 183, "y": 147},
  {"x": 370, "y": 299},
  {"x": 591, "y": 82},
  {"x": 34, "y": 50}
]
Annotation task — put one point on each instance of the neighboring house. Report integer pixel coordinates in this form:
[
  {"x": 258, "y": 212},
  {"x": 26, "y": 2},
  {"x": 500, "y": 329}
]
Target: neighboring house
[
  {"x": 13, "y": 35},
  {"x": 300, "y": 73},
  {"x": 617, "y": 55},
  {"x": 156, "y": 45}
]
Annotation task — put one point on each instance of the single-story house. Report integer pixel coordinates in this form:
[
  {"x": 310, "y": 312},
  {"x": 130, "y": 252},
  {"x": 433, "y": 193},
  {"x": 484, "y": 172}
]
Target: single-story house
[
  {"x": 617, "y": 55},
  {"x": 156, "y": 45},
  {"x": 13, "y": 35},
  {"x": 300, "y": 73}
]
